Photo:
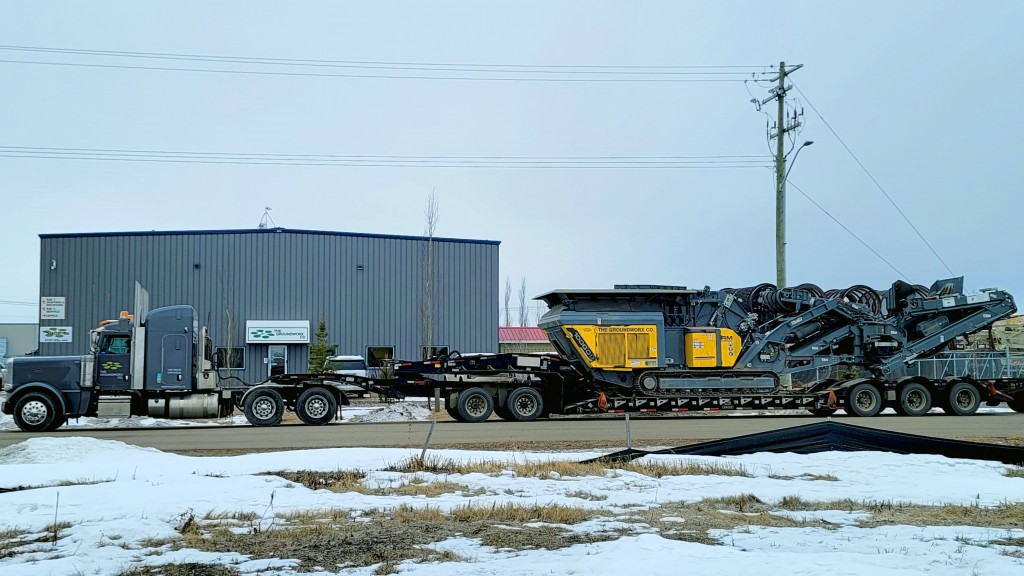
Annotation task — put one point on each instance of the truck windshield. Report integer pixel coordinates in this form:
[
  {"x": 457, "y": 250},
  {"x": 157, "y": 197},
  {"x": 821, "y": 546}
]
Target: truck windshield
[{"x": 346, "y": 364}]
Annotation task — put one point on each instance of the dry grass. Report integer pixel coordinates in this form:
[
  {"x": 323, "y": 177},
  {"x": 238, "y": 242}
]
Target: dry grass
[
  {"x": 1014, "y": 471},
  {"x": 817, "y": 477},
  {"x": 584, "y": 495},
  {"x": 556, "y": 468},
  {"x": 726, "y": 513},
  {"x": 354, "y": 481},
  {"x": 10, "y": 541},
  {"x": 184, "y": 569},
  {"x": 383, "y": 537},
  {"x": 1005, "y": 516}
]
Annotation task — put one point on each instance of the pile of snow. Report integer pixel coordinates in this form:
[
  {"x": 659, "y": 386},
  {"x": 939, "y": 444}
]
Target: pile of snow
[
  {"x": 122, "y": 494},
  {"x": 397, "y": 412}
]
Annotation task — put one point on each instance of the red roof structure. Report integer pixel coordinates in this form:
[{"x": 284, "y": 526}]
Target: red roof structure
[{"x": 521, "y": 334}]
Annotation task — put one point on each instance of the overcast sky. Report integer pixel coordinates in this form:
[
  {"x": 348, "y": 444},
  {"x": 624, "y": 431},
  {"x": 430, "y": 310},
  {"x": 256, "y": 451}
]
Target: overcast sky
[{"x": 926, "y": 94}]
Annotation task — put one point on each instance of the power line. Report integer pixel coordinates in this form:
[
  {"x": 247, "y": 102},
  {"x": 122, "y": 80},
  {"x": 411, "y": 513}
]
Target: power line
[
  {"x": 59, "y": 149},
  {"x": 879, "y": 186},
  {"x": 376, "y": 76},
  {"x": 561, "y": 68},
  {"x": 366, "y": 160},
  {"x": 405, "y": 164},
  {"x": 858, "y": 238},
  {"x": 18, "y": 303}
]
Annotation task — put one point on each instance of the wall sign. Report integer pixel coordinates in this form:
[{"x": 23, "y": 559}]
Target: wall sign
[
  {"x": 277, "y": 331},
  {"x": 54, "y": 334},
  {"x": 51, "y": 308}
]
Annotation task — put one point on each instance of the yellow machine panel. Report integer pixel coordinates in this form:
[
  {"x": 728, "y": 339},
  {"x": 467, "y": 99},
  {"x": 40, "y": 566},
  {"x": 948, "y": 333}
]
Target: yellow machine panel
[
  {"x": 711, "y": 347},
  {"x": 615, "y": 347}
]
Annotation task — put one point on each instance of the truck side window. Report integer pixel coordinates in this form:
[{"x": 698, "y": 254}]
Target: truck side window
[{"x": 116, "y": 345}]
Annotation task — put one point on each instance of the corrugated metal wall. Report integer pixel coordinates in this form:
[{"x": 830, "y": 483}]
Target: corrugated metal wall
[{"x": 368, "y": 288}]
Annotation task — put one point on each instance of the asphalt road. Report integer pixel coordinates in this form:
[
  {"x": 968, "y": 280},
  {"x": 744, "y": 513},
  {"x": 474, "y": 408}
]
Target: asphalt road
[{"x": 611, "y": 430}]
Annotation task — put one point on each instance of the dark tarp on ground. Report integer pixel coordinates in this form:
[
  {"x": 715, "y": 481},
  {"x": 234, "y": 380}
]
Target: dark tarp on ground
[{"x": 834, "y": 436}]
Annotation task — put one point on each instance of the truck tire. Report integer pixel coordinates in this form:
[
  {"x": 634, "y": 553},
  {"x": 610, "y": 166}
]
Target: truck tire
[
  {"x": 38, "y": 412},
  {"x": 915, "y": 400},
  {"x": 525, "y": 404},
  {"x": 264, "y": 407},
  {"x": 822, "y": 412},
  {"x": 864, "y": 400},
  {"x": 962, "y": 399},
  {"x": 475, "y": 405},
  {"x": 316, "y": 407}
]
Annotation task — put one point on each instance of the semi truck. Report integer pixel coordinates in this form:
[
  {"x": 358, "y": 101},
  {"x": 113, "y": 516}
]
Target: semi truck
[
  {"x": 156, "y": 363},
  {"x": 634, "y": 348}
]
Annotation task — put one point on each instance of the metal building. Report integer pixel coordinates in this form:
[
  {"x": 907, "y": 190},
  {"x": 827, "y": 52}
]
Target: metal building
[{"x": 263, "y": 291}]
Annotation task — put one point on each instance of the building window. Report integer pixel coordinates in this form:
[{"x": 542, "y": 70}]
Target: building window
[
  {"x": 434, "y": 352},
  {"x": 231, "y": 358}
]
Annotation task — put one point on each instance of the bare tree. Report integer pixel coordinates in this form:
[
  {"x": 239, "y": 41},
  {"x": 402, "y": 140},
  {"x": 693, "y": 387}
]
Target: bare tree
[
  {"x": 508, "y": 299},
  {"x": 524, "y": 313},
  {"x": 432, "y": 215}
]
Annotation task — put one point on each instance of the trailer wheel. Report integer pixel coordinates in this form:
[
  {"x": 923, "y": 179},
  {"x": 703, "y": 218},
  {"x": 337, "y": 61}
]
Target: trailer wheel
[
  {"x": 502, "y": 412},
  {"x": 915, "y": 400},
  {"x": 475, "y": 405},
  {"x": 864, "y": 400},
  {"x": 264, "y": 407},
  {"x": 1017, "y": 404},
  {"x": 38, "y": 412},
  {"x": 963, "y": 399},
  {"x": 316, "y": 407},
  {"x": 525, "y": 404},
  {"x": 454, "y": 413}
]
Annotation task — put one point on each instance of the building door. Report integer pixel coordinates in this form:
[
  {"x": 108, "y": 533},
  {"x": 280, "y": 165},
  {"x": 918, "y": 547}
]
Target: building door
[{"x": 277, "y": 360}]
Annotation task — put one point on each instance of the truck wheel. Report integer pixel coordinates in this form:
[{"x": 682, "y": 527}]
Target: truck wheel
[
  {"x": 264, "y": 407},
  {"x": 525, "y": 404},
  {"x": 475, "y": 405},
  {"x": 915, "y": 400},
  {"x": 38, "y": 412},
  {"x": 963, "y": 399},
  {"x": 864, "y": 400},
  {"x": 316, "y": 407},
  {"x": 822, "y": 412}
]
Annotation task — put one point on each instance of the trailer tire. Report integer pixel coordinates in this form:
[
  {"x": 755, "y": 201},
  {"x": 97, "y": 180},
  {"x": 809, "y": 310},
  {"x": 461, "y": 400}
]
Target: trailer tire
[
  {"x": 525, "y": 404},
  {"x": 475, "y": 405},
  {"x": 864, "y": 400},
  {"x": 316, "y": 407},
  {"x": 38, "y": 412},
  {"x": 915, "y": 400},
  {"x": 1017, "y": 404},
  {"x": 502, "y": 412},
  {"x": 264, "y": 407},
  {"x": 454, "y": 413},
  {"x": 962, "y": 399}
]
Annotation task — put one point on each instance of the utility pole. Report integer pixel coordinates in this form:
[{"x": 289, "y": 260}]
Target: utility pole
[{"x": 782, "y": 126}]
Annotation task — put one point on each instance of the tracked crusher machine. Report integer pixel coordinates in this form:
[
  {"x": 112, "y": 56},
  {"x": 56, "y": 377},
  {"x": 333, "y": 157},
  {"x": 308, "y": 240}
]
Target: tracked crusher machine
[{"x": 670, "y": 342}]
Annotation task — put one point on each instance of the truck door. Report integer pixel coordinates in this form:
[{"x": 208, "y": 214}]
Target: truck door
[{"x": 113, "y": 362}]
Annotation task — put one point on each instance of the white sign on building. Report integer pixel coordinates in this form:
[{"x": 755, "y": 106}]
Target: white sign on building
[
  {"x": 277, "y": 331},
  {"x": 55, "y": 333},
  {"x": 51, "y": 308}
]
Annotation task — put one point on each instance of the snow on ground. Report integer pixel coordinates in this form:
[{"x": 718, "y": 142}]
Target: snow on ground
[
  {"x": 359, "y": 411},
  {"x": 122, "y": 494}
]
